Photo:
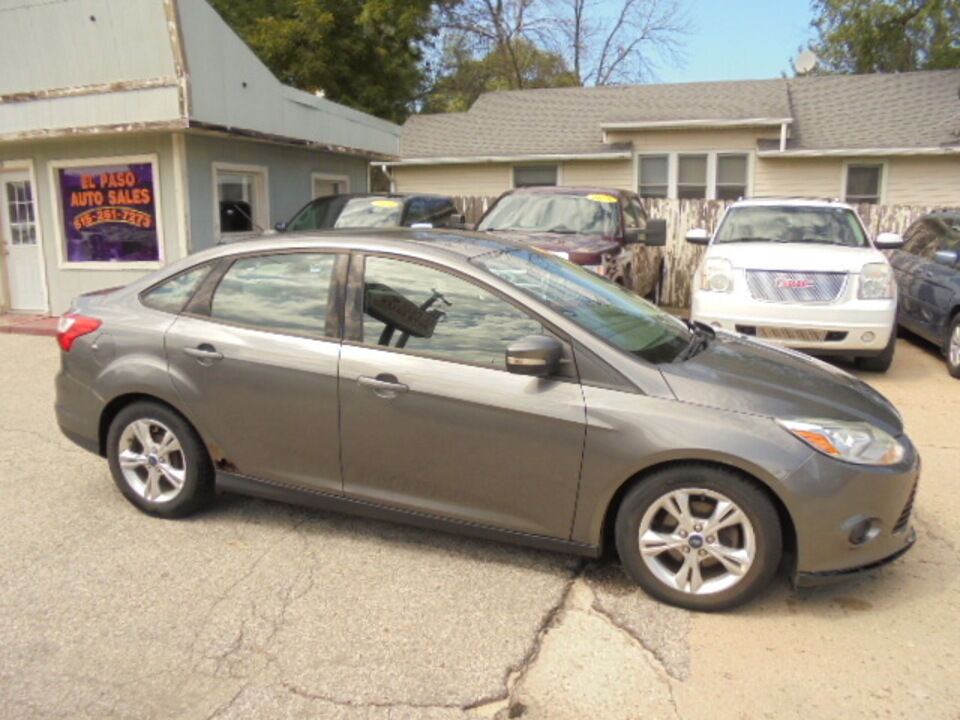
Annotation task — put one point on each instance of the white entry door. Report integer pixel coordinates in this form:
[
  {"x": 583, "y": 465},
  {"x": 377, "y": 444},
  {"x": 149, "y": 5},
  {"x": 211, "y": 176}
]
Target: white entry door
[{"x": 18, "y": 233}]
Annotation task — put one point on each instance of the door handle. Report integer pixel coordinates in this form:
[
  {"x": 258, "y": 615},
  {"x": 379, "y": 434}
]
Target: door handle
[
  {"x": 205, "y": 354},
  {"x": 385, "y": 386}
]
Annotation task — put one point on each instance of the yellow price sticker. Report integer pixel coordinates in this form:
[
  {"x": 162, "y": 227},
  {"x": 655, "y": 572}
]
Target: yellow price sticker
[
  {"x": 601, "y": 198},
  {"x": 385, "y": 203}
]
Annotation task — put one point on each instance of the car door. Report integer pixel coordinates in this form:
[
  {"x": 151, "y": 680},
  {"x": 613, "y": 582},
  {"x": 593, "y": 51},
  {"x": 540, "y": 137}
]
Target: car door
[
  {"x": 431, "y": 420},
  {"x": 254, "y": 358},
  {"x": 910, "y": 265}
]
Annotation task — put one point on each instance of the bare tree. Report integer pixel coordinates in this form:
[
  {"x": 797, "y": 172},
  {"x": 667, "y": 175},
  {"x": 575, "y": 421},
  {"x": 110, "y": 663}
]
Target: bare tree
[
  {"x": 602, "y": 42},
  {"x": 606, "y": 44}
]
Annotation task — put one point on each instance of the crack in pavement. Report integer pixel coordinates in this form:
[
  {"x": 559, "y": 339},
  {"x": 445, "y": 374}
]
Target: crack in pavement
[
  {"x": 652, "y": 651},
  {"x": 223, "y": 707},
  {"x": 367, "y": 704}
]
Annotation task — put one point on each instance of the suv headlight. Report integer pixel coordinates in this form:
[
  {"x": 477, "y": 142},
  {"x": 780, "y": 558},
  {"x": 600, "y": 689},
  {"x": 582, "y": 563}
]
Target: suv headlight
[
  {"x": 877, "y": 282},
  {"x": 854, "y": 442},
  {"x": 717, "y": 275}
]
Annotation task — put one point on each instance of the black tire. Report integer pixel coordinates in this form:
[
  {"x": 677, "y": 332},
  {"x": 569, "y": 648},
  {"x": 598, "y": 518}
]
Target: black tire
[
  {"x": 952, "y": 367},
  {"x": 191, "y": 461},
  {"x": 882, "y": 362},
  {"x": 744, "y": 493}
]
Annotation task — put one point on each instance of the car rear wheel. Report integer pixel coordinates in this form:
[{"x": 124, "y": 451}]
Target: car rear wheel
[
  {"x": 883, "y": 361},
  {"x": 699, "y": 537},
  {"x": 953, "y": 348},
  {"x": 158, "y": 461}
]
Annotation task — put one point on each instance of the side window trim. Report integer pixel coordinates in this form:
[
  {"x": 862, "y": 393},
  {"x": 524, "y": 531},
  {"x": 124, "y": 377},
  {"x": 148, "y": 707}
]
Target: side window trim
[
  {"x": 353, "y": 312},
  {"x": 144, "y": 293},
  {"x": 200, "y": 304}
]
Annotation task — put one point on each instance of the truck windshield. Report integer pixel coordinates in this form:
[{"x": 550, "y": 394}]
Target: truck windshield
[
  {"x": 792, "y": 224},
  {"x": 619, "y": 317},
  {"x": 345, "y": 211},
  {"x": 593, "y": 214}
]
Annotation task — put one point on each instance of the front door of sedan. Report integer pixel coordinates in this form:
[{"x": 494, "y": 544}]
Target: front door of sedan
[
  {"x": 923, "y": 283},
  {"x": 254, "y": 360},
  {"x": 432, "y": 422}
]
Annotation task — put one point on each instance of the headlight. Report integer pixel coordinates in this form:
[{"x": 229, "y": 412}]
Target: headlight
[
  {"x": 877, "y": 282},
  {"x": 717, "y": 275},
  {"x": 855, "y": 442}
]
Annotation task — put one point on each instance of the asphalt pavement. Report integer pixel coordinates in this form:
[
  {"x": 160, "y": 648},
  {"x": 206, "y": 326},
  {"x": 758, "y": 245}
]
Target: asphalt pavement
[{"x": 262, "y": 610}]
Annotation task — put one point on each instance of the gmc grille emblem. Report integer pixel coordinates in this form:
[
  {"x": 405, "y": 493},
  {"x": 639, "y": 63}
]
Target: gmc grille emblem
[{"x": 790, "y": 283}]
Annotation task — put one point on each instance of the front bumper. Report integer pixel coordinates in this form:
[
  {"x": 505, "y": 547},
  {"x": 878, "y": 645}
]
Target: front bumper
[
  {"x": 851, "y": 326},
  {"x": 829, "y": 498}
]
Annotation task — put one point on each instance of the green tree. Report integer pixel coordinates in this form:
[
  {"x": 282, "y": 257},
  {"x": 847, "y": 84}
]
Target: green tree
[
  {"x": 463, "y": 78},
  {"x": 367, "y": 54},
  {"x": 862, "y": 36}
]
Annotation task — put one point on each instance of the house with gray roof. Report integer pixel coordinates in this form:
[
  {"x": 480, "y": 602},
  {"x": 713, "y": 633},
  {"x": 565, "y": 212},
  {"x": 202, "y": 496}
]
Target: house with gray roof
[
  {"x": 134, "y": 132},
  {"x": 884, "y": 138}
]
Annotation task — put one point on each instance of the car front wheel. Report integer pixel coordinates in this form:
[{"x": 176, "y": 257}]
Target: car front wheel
[
  {"x": 699, "y": 537},
  {"x": 883, "y": 361},
  {"x": 158, "y": 461},
  {"x": 953, "y": 348}
]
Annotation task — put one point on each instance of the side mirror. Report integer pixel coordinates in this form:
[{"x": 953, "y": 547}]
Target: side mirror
[
  {"x": 655, "y": 234},
  {"x": 536, "y": 355},
  {"x": 888, "y": 241},
  {"x": 698, "y": 236},
  {"x": 950, "y": 258},
  {"x": 280, "y": 226}
]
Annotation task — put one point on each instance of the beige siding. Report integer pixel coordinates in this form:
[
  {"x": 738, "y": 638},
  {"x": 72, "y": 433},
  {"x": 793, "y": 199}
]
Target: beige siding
[
  {"x": 923, "y": 181},
  {"x": 602, "y": 173},
  {"x": 801, "y": 177},
  {"x": 683, "y": 140},
  {"x": 476, "y": 179}
]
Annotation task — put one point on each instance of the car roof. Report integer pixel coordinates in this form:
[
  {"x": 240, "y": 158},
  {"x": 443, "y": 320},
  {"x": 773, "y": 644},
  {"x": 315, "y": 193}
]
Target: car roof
[
  {"x": 791, "y": 202},
  {"x": 565, "y": 190}
]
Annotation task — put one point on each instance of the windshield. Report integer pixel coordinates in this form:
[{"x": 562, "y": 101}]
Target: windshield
[
  {"x": 345, "y": 211},
  {"x": 594, "y": 214},
  {"x": 621, "y": 318},
  {"x": 792, "y": 224}
]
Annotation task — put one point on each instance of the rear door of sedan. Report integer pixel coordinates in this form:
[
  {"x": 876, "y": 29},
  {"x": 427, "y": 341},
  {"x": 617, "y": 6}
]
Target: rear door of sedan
[
  {"x": 925, "y": 285},
  {"x": 254, "y": 358},
  {"x": 431, "y": 421}
]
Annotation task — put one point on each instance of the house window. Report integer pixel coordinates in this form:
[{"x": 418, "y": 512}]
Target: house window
[
  {"x": 241, "y": 199},
  {"x": 109, "y": 210},
  {"x": 692, "y": 177},
  {"x": 731, "y": 177},
  {"x": 527, "y": 175},
  {"x": 654, "y": 176},
  {"x": 329, "y": 185},
  {"x": 863, "y": 183}
]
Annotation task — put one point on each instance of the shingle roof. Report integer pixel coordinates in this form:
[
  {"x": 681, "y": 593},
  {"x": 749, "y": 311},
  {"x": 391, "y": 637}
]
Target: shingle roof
[{"x": 918, "y": 109}]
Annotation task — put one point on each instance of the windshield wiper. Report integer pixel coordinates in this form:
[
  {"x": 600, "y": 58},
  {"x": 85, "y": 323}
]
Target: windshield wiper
[
  {"x": 700, "y": 337},
  {"x": 749, "y": 239}
]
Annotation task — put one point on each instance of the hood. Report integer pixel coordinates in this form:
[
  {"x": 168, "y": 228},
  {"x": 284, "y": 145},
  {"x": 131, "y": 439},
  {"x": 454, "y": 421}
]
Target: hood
[
  {"x": 796, "y": 257},
  {"x": 581, "y": 248},
  {"x": 736, "y": 373}
]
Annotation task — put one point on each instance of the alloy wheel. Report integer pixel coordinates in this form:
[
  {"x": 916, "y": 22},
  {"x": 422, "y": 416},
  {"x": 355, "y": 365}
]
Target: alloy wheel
[
  {"x": 151, "y": 460},
  {"x": 697, "y": 541},
  {"x": 954, "y": 350}
]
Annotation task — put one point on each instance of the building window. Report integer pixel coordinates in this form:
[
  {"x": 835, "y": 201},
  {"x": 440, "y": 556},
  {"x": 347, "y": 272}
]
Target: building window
[
  {"x": 527, "y": 175},
  {"x": 863, "y": 183},
  {"x": 654, "y": 176},
  {"x": 241, "y": 199},
  {"x": 109, "y": 210},
  {"x": 692, "y": 177},
  {"x": 731, "y": 177},
  {"x": 323, "y": 185}
]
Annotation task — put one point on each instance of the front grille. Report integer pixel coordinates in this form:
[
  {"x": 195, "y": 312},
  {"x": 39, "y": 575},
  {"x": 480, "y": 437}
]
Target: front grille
[
  {"x": 904, "y": 518},
  {"x": 795, "y": 287},
  {"x": 790, "y": 333}
]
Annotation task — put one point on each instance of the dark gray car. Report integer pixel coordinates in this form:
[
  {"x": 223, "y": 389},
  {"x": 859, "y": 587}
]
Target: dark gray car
[{"x": 474, "y": 384}]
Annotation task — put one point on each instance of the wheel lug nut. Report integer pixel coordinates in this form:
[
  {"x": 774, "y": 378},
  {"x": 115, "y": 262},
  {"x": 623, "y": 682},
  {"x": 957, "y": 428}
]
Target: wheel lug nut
[
  {"x": 710, "y": 538},
  {"x": 701, "y": 553},
  {"x": 683, "y": 533},
  {"x": 686, "y": 548},
  {"x": 698, "y": 527}
]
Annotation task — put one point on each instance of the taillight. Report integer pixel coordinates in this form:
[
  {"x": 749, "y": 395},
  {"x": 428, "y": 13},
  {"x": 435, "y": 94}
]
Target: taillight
[{"x": 73, "y": 326}]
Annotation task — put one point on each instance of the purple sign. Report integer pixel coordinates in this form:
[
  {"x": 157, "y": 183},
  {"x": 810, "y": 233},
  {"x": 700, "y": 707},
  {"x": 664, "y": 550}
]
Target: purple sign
[{"x": 110, "y": 213}]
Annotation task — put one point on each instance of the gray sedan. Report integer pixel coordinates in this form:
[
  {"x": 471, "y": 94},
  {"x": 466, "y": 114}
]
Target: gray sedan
[{"x": 477, "y": 385}]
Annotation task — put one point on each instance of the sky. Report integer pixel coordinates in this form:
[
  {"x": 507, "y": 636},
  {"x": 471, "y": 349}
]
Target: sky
[{"x": 741, "y": 39}]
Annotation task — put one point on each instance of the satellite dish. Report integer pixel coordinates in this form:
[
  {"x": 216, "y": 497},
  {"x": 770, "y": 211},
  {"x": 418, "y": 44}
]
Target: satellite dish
[{"x": 805, "y": 62}]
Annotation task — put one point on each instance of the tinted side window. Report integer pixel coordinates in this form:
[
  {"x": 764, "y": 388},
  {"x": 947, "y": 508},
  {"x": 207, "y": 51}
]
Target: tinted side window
[
  {"x": 172, "y": 295},
  {"x": 419, "y": 308},
  {"x": 284, "y": 293},
  {"x": 923, "y": 239}
]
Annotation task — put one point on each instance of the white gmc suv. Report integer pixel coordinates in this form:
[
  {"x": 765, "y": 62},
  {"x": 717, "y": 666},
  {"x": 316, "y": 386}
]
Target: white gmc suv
[{"x": 801, "y": 273}]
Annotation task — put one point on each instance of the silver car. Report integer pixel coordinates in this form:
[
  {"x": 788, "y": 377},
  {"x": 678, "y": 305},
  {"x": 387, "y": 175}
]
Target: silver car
[{"x": 473, "y": 384}]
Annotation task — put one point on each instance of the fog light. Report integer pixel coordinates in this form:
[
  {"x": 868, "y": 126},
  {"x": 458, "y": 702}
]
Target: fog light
[
  {"x": 864, "y": 531},
  {"x": 868, "y": 337}
]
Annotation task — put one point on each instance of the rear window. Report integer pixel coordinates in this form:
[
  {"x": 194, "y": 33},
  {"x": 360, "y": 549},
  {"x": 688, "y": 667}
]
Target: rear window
[{"x": 171, "y": 295}]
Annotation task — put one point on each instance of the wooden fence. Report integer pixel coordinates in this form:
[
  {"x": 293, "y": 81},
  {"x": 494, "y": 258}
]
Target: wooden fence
[{"x": 681, "y": 258}]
